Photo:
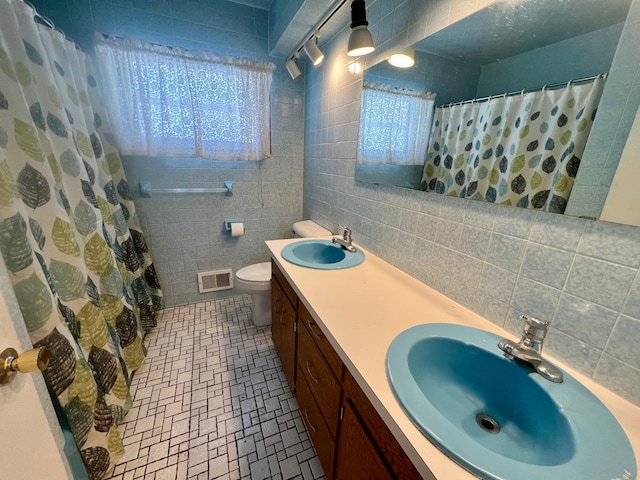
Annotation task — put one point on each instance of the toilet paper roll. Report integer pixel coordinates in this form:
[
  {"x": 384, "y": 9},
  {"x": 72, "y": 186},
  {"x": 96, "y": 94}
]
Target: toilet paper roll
[{"x": 237, "y": 229}]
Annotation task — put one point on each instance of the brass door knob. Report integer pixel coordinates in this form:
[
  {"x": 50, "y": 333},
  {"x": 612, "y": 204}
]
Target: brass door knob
[{"x": 30, "y": 361}]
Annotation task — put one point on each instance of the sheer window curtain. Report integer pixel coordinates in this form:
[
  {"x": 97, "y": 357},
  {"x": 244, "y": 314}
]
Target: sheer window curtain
[
  {"x": 394, "y": 125},
  {"x": 168, "y": 101}
]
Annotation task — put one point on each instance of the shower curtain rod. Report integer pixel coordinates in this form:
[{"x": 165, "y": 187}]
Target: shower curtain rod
[
  {"x": 106, "y": 36},
  {"x": 524, "y": 90}
]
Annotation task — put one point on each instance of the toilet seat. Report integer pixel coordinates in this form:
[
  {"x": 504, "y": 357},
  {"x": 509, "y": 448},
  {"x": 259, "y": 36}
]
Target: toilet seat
[{"x": 254, "y": 277}]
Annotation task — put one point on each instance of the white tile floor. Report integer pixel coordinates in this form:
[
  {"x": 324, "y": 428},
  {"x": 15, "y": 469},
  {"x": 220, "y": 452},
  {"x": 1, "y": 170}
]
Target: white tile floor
[{"x": 211, "y": 401}]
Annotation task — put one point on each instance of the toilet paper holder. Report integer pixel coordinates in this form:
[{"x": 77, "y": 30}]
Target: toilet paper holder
[{"x": 229, "y": 221}]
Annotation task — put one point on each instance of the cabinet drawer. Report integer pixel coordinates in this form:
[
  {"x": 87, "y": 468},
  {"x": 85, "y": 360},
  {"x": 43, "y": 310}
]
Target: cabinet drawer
[
  {"x": 330, "y": 355},
  {"x": 284, "y": 283},
  {"x": 321, "y": 382},
  {"x": 318, "y": 431}
]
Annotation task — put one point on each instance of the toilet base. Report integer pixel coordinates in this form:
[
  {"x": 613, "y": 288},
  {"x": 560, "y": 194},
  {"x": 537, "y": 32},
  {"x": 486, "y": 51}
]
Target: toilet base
[{"x": 261, "y": 308}]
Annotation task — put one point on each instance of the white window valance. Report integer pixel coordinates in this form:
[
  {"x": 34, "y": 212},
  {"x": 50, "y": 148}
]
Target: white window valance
[
  {"x": 171, "y": 102},
  {"x": 394, "y": 125}
]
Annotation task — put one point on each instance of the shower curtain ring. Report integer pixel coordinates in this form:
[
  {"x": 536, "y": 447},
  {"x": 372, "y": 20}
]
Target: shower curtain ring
[{"x": 48, "y": 21}]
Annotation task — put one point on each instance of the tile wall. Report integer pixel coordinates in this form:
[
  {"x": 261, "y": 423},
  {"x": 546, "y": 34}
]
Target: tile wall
[
  {"x": 498, "y": 261},
  {"x": 186, "y": 232},
  {"x": 611, "y": 127}
]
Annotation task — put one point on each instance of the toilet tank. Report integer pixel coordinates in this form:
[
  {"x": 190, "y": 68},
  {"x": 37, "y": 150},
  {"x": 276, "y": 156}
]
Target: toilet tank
[{"x": 309, "y": 228}]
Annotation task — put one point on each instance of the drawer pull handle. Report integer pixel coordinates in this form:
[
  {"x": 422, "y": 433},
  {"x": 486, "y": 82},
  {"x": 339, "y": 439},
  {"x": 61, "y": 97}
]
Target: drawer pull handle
[
  {"x": 306, "y": 416},
  {"x": 311, "y": 374},
  {"x": 311, "y": 324}
]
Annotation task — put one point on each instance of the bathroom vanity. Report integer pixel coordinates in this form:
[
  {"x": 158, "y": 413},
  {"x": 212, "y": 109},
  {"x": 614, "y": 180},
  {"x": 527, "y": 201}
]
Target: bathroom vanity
[
  {"x": 350, "y": 438},
  {"x": 339, "y": 325}
]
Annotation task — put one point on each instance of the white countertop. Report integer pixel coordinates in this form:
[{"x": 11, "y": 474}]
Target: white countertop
[{"x": 362, "y": 309}]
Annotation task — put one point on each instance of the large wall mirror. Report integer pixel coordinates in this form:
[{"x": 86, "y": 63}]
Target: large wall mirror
[{"x": 432, "y": 126}]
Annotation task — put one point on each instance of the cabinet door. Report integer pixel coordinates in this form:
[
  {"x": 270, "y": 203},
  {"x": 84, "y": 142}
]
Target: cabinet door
[
  {"x": 357, "y": 455},
  {"x": 276, "y": 314},
  {"x": 287, "y": 351}
]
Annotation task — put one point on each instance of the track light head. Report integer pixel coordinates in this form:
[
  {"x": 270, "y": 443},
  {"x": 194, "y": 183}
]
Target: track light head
[
  {"x": 293, "y": 69},
  {"x": 315, "y": 55}
]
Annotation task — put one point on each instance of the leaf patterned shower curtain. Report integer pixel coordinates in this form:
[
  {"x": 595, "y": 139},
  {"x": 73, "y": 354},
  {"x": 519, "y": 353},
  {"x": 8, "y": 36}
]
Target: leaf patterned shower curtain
[
  {"x": 69, "y": 234},
  {"x": 521, "y": 150}
]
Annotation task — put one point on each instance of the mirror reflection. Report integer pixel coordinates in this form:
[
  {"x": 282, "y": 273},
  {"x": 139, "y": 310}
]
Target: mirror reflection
[{"x": 543, "y": 61}]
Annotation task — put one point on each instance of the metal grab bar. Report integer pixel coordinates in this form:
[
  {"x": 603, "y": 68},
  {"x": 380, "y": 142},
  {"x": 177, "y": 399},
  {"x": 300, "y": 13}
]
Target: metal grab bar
[{"x": 146, "y": 190}]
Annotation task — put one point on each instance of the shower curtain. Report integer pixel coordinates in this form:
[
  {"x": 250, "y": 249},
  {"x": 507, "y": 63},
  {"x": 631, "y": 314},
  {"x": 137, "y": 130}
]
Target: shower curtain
[
  {"x": 69, "y": 235},
  {"x": 521, "y": 150}
]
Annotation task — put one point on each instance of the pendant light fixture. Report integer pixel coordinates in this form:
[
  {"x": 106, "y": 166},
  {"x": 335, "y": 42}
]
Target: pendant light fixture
[
  {"x": 312, "y": 50},
  {"x": 360, "y": 40},
  {"x": 292, "y": 67}
]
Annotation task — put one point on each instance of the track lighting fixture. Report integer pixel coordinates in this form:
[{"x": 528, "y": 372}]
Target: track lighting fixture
[
  {"x": 312, "y": 50},
  {"x": 292, "y": 67},
  {"x": 360, "y": 40}
]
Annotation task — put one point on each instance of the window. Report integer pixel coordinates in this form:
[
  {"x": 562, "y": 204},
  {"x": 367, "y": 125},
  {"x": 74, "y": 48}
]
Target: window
[
  {"x": 172, "y": 102},
  {"x": 394, "y": 125}
]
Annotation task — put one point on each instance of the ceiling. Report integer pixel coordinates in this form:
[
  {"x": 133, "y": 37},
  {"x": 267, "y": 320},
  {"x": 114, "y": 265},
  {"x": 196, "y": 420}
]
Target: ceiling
[
  {"x": 261, "y": 4},
  {"x": 306, "y": 19},
  {"x": 510, "y": 27},
  {"x": 502, "y": 30}
]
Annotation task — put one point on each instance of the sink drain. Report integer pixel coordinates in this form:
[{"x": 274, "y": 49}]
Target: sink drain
[{"x": 487, "y": 423}]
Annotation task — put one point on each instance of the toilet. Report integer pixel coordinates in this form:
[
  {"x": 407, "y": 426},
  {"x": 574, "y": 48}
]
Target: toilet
[{"x": 255, "y": 280}]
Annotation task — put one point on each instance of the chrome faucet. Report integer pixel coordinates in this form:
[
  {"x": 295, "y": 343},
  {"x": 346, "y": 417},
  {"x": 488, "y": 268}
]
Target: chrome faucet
[
  {"x": 345, "y": 241},
  {"x": 529, "y": 349}
]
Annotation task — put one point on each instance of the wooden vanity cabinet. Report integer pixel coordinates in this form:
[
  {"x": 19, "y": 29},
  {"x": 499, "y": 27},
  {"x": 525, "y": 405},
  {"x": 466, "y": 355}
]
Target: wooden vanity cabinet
[
  {"x": 350, "y": 438},
  {"x": 284, "y": 317}
]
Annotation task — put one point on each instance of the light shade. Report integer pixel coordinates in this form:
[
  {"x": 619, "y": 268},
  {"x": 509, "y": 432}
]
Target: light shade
[
  {"x": 404, "y": 59},
  {"x": 360, "y": 41},
  {"x": 312, "y": 50},
  {"x": 292, "y": 68}
]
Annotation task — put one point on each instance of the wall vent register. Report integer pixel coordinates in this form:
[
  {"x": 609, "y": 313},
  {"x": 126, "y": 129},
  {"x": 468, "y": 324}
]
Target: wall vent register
[{"x": 215, "y": 280}]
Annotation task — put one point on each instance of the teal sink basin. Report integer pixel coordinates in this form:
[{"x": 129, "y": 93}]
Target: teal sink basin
[
  {"x": 498, "y": 419},
  {"x": 321, "y": 254}
]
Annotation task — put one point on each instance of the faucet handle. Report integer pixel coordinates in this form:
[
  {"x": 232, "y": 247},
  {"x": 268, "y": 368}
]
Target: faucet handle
[
  {"x": 534, "y": 332},
  {"x": 346, "y": 232}
]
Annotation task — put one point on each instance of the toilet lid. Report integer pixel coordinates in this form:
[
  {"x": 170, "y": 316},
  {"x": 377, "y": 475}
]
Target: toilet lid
[{"x": 258, "y": 272}]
